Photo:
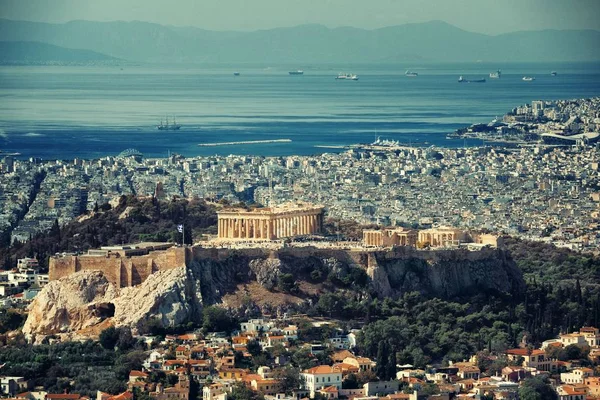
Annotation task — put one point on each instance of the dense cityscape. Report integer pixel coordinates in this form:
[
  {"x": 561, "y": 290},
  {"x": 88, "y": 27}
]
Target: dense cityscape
[
  {"x": 332, "y": 337},
  {"x": 539, "y": 192},
  {"x": 299, "y": 200}
]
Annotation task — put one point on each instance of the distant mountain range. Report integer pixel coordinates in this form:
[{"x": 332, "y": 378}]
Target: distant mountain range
[
  {"x": 44, "y": 53},
  {"x": 434, "y": 41}
]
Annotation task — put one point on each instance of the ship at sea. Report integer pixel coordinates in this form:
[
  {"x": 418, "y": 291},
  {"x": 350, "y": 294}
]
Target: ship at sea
[
  {"x": 345, "y": 76},
  {"x": 297, "y": 72},
  {"x": 463, "y": 80},
  {"x": 553, "y": 73},
  {"x": 174, "y": 126},
  {"x": 236, "y": 74},
  {"x": 411, "y": 73},
  {"x": 496, "y": 75},
  {"x": 528, "y": 78}
]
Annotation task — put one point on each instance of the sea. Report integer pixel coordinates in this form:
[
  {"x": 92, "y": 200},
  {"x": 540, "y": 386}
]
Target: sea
[{"x": 67, "y": 112}]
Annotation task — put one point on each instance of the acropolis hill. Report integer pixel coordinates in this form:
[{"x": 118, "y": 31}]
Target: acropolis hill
[
  {"x": 123, "y": 269},
  {"x": 265, "y": 233},
  {"x": 174, "y": 284}
]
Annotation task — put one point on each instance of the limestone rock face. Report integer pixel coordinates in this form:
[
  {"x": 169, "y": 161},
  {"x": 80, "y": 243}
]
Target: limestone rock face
[
  {"x": 86, "y": 298},
  {"x": 75, "y": 302},
  {"x": 171, "y": 296},
  {"x": 267, "y": 271},
  {"x": 445, "y": 274}
]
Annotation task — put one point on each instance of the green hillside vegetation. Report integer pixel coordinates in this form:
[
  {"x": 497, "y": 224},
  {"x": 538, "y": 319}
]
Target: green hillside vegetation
[{"x": 146, "y": 220}]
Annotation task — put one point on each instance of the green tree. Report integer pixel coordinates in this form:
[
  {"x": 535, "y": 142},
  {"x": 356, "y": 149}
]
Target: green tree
[
  {"x": 253, "y": 347},
  {"x": 382, "y": 360},
  {"x": 288, "y": 379},
  {"x": 217, "y": 319},
  {"x": 537, "y": 388},
  {"x": 109, "y": 337}
]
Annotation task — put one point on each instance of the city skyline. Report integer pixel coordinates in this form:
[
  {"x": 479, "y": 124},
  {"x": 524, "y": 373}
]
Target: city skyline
[{"x": 485, "y": 17}]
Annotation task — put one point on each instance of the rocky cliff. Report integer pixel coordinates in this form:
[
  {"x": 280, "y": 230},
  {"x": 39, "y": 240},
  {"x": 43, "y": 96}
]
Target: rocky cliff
[{"x": 86, "y": 299}]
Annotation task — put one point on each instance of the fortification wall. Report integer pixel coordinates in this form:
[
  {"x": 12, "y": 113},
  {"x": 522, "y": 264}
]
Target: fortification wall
[{"x": 121, "y": 271}]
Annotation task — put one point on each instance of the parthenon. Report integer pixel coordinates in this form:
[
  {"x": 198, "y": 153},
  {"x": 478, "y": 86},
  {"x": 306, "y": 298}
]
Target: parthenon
[{"x": 270, "y": 223}]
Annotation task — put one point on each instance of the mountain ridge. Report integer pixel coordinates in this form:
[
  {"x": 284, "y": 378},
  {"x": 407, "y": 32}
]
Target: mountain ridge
[
  {"x": 30, "y": 52},
  {"x": 433, "y": 41}
]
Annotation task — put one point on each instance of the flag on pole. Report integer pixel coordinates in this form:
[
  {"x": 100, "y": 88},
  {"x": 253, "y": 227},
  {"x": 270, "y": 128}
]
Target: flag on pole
[{"x": 180, "y": 228}]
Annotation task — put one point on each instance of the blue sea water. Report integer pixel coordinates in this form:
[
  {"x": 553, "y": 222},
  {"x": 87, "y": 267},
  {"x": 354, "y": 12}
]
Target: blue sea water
[{"x": 55, "y": 112}]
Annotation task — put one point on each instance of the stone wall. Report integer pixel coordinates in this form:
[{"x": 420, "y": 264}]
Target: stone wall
[{"x": 120, "y": 271}]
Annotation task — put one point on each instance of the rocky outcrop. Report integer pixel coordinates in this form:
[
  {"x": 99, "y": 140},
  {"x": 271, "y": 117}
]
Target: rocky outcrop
[
  {"x": 266, "y": 271},
  {"x": 75, "y": 302},
  {"x": 173, "y": 297},
  {"x": 220, "y": 276},
  {"x": 86, "y": 299},
  {"x": 444, "y": 274}
]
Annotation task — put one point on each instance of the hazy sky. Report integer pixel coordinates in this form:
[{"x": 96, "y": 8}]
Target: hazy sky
[{"x": 485, "y": 16}]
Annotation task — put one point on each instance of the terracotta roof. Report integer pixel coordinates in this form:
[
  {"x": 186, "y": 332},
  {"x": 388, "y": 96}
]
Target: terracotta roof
[
  {"x": 322, "y": 369},
  {"x": 188, "y": 336},
  {"x": 122, "y": 396},
  {"x": 175, "y": 362},
  {"x": 346, "y": 367},
  {"x": 66, "y": 396},
  {"x": 329, "y": 389},
  {"x": 341, "y": 355},
  {"x": 138, "y": 373},
  {"x": 524, "y": 352},
  {"x": 251, "y": 377},
  {"x": 398, "y": 396},
  {"x": 571, "y": 390}
]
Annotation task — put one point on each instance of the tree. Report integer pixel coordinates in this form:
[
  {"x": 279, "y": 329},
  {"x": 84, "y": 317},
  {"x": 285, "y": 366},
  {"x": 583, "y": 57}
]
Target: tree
[
  {"x": 303, "y": 358},
  {"x": 351, "y": 382},
  {"x": 382, "y": 360},
  {"x": 537, "y": 388},
  {"x": 288, "y": 379},
  {"x": 217, "y": 319},
  {"x": 109, "y": 337},
  {"x": 286, "y": 283},
  {"x": 253, "y": 347},
  {"x": 242, "y": 392},
  {"x": 390, "y": 370}
]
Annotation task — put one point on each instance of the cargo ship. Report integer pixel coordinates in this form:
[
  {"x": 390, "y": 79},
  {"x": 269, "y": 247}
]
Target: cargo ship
[
  {"x": 297, "y": 72},
  {"x": 463, "y": 80}
]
